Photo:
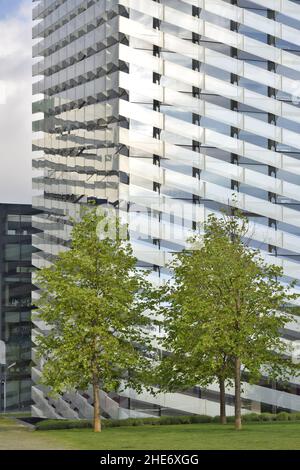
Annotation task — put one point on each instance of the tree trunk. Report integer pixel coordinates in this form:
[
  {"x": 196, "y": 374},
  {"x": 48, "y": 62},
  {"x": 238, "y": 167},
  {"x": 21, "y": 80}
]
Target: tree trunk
[
  {"x": 97, "y": 410},
  {"x": 238, "y": 404},
  {"x": 223, "y": 419}
]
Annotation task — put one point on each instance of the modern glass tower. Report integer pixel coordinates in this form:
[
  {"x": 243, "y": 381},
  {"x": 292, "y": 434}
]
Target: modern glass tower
[{"x": 169, "y": 110}]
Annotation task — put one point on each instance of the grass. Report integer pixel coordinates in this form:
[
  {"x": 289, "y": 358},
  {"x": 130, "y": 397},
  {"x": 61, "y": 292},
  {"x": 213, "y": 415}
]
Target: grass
[
  {"x": 185, "y": 437},
  {"x": 269, "y": 436},
  {"x": 16, "y": 436}
]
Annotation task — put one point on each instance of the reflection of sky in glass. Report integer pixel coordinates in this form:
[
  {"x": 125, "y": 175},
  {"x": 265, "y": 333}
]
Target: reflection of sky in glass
[{"x": 8, "y": 7}]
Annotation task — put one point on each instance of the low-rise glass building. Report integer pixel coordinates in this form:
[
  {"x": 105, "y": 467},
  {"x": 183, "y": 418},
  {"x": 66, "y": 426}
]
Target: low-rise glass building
[{"x": 15, "y": 305}]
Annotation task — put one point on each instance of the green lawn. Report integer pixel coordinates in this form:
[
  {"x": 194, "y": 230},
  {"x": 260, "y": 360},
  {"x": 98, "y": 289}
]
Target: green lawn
[
  {"x": 192, "y": 436},
  {"x": 278, "y": 435},
  {"x": 15, "y": 436}
]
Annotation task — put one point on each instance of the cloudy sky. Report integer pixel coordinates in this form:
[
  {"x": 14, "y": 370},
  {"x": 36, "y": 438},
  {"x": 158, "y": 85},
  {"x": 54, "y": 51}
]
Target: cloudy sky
[{"x": 15, "y": 101}]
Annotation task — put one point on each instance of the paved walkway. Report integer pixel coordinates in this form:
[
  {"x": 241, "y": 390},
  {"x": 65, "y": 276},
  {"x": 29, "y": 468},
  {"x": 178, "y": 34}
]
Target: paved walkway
[{"x": 16, "y": 436}]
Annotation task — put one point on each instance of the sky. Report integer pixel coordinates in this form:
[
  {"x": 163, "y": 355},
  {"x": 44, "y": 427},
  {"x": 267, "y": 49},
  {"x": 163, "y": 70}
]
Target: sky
[{"x": 15, "y": 101}]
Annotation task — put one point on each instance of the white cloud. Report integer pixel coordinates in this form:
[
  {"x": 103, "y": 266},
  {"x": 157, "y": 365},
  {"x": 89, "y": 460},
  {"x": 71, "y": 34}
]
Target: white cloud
[
  {"x": 2, "y": 92},
  {"x": 15, "y": 105}
]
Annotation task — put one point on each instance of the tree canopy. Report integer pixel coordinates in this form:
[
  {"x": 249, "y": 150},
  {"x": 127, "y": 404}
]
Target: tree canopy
[
  {"x": 223, "y": 313},
  {"x": 93, "y": 300}
]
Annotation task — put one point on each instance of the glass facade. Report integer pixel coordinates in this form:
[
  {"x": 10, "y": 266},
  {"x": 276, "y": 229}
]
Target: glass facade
[
  {"x": 167, "y": 110},
  {"x": 15, "y": 305}
]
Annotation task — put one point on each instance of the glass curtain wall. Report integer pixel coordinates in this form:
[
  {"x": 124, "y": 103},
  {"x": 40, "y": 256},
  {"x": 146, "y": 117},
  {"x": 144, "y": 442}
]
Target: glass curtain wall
[{"x": 168, "y": 110}]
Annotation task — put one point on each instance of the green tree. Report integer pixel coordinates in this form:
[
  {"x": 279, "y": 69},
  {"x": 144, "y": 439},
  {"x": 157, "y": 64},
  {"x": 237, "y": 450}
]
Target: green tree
[
  {"x": 222, "y": 313},
  {"x": 188, "y": 366},
  {"x": 93, "y": 299}
]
